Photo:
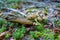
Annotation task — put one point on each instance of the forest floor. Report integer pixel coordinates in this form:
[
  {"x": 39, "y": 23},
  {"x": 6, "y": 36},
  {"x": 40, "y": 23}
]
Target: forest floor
[{"x": 30, "y": 21}]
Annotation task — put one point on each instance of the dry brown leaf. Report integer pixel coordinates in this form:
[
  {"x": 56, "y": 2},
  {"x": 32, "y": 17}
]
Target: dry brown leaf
[
  {"x": 2, "y": 35},
  {"x": 57, "y": 30}
]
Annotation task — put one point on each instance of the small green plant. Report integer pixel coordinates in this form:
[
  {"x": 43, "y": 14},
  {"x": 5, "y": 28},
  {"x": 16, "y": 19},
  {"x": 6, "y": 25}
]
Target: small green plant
[
  {"x": 46, "y": 30},
  {"x": 16, "y": 24},
  {"x": 2, "y": 21},
  {"x": 45, "y": 21},
  {"x": 2, "y": 29},
  {"x": 7, "y": 36},
  {"x": 47, "y": 34},
  {"x": 40, "y": 27},
  {"x": 19, "y": 33},
  {"x": 45, "y": 11},
  {"x": 10, "y": 24},
  {"x": 57, "y": 22},
  {"x": 35, "y": 34}
]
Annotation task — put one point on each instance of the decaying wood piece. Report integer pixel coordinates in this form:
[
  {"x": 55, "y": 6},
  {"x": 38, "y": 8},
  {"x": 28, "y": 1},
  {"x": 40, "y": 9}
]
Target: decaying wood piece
[
  {"x": 27, "y": 19},
  {"x": 32, "y": 16},
  {"x": 2, "y": 35},
  {"x": 15, "y": 18},
  {"x": 23, "y": 21},
  {"x": 20, "y": 20}
]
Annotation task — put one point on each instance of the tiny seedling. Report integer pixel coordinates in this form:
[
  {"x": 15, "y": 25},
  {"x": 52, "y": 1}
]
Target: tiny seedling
[
  {"x": 2, "y": 21},
  {"x": 7, "y": 36},
  {"x": 2, "y": 29},
  {"x": 46, "y": 11},
  {"x": 40, "y": 27},
  {"x": 47, "y": 34},
  {"x": 16, "y": 24},
  {"x": 57, "y": 22},
  {"x": 35, "y": 34},
  {"x": 45, "y": 21},
  {"x": 10, "y": 24},
  {"x": 19, "y": 33}
]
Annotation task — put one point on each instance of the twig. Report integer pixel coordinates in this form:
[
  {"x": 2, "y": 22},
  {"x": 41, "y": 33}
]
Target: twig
[{"x": 15, "y": 10}]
